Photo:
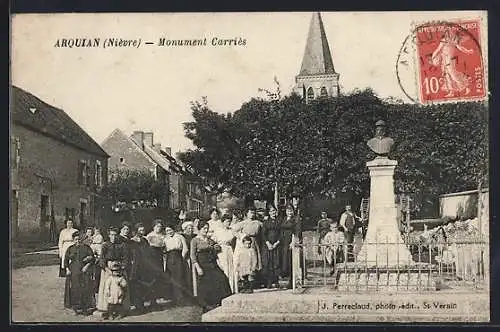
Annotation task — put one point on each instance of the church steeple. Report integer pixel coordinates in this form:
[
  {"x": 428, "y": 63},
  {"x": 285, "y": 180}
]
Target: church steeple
[{"x": 317, "y": 76}]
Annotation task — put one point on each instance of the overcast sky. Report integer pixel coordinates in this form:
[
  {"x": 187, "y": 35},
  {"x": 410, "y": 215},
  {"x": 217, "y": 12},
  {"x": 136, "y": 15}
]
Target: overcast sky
[{"x": 149, "y": 88}]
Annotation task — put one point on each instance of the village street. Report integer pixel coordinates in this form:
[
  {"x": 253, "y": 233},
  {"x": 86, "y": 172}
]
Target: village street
[{"x": 37, "y": 296}]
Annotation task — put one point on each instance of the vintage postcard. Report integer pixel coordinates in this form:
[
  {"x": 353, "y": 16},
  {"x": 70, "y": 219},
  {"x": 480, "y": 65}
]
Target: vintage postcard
[{"x": 249, "y": 167}]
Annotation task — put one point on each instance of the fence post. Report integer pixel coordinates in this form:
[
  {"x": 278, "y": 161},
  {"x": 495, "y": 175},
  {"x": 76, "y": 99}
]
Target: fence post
[{"x": 296, "y": 270}]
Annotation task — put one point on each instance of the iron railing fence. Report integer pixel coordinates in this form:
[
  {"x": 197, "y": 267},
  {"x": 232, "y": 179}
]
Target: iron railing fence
[{"x": 434, "y": 266}]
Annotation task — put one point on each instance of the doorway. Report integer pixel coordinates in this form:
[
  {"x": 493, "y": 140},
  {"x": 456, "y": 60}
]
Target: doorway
[{"x": 44, "y": 210}]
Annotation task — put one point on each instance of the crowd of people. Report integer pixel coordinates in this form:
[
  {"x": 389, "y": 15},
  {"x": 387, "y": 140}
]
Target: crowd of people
[
  {"x": 202, "y": 262},
  {"x": 195, "y": 262}
]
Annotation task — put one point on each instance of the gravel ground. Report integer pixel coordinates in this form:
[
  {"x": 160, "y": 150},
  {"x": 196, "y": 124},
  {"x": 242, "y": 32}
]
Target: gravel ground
[{"x": 37, "y": 296}]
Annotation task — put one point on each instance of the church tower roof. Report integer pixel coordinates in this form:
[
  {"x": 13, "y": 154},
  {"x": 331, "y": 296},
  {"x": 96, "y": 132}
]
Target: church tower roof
[{"x": 317, "y": 57}]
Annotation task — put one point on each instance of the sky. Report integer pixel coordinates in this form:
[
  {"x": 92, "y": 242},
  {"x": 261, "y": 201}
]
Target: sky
[{"x": 150, "y": 88}]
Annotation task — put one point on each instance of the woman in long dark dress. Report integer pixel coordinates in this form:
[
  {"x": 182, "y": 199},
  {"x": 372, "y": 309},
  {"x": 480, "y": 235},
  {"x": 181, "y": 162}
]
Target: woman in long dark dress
[
  {"x": 141, "y": 280},
  {"x": 212, "y": 283},
  {"x": 289, "y": 226},
  {"x": 78, "y": 293},
  {"x": 157, "y": 245},
  {"x": 271, "y": 250},
  {"x": 176, "y": 251},
  {"x": 188, "y": 233}
]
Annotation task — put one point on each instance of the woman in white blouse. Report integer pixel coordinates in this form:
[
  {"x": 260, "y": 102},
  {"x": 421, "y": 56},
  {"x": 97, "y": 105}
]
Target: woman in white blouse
[
  {"x": 157, "y": 245},
  {"x": 65, "y": 241},
  {"x": 214, "y": 221},
  {"x": 176, "y": 251},
  {"x": 225, "y": 238}
]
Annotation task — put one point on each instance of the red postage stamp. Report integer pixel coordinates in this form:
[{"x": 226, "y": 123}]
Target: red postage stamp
[{"x": 449, "y": 62}]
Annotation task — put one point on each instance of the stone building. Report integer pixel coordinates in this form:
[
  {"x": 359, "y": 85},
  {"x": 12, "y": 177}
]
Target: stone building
[
  {"x": 139, "y": 152},
  {"x": 317, "y": 76},
  {"x": 56, "y": 170}
]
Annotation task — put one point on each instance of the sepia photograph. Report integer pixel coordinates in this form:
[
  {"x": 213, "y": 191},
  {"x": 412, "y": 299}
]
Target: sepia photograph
[{"x": 251, "y": 167}]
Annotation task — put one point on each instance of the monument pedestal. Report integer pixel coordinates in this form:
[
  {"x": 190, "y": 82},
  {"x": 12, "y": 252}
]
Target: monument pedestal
[
  {"x": 384, "y": 262},
  {"x": 383, "y": 245}
]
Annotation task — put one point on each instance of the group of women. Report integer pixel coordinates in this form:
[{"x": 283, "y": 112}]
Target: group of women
[
  {"x": 198, "y": 264},
  {"x": 269, "y": 238}
]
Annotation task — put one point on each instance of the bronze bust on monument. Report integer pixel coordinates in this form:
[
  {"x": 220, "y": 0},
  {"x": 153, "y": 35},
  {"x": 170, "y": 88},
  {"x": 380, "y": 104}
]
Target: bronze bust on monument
[{"x": 380, "y": 144}]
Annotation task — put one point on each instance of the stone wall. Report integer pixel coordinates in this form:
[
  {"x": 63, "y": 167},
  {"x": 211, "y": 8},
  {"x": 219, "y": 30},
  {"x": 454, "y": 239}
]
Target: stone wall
[
  {"x": 464, "y": 205},
  {"x": 50, "y": 167}
]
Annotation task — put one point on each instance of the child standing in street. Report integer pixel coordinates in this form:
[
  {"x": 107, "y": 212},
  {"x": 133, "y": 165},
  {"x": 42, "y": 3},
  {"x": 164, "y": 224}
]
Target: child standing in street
[
  {"x": 246, "y": 264},
  {"x": 115, "y": 288}
]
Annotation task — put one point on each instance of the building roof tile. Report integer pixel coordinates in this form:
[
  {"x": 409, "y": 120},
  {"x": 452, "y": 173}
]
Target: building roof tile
[{"x": 31, "y": 112}]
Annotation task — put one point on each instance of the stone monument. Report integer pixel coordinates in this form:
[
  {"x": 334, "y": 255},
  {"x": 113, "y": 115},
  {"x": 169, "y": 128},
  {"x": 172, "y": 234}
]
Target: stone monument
[
  {"x": 384, "y": 262},
  {"x": 383, "y": 244}
]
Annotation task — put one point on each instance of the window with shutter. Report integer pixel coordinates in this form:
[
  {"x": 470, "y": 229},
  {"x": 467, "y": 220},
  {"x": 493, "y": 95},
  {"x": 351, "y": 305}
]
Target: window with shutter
[
  {"x": 81, "y": 172},
  {"x": 84, "y": 174},
  {"x": 98, "y": 174},
  {"x": 88, "y": 173}
]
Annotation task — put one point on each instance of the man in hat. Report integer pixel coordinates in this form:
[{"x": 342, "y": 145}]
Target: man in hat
[
  {"x": 349, "y": 222},
  {"x": 380, "y": 144}
]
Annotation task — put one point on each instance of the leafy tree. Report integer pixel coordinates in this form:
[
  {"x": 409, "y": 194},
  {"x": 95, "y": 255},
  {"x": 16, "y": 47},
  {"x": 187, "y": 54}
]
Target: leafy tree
[
  {"x": 133, "y": 185},
  {"x": 320, "y": 148}
]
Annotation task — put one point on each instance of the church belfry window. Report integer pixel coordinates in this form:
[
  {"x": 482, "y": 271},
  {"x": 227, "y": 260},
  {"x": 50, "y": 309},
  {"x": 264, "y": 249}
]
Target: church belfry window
[
  {"x": 310, "y": 93},
  {"x": 324, "y": 93}
]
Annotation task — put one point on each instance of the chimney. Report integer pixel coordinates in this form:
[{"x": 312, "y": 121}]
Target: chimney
[
  {"x": 148, "y": 139},
  {"x": 168, "y": 150},
  {"x": 157, "y": 147},
  {"x": 138, "y": 138}
]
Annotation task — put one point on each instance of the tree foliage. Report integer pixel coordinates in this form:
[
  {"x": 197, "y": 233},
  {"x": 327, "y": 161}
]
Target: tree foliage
[
  {"x": 133, "y": 185},
  {"x": 320, "y": 148}
]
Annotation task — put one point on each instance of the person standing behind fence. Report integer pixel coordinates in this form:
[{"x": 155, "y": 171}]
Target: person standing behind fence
[
  {"x": 334, "y": 246},
  {"x": 322, "y": 228},
  {"x": 349, "y": 223}
]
